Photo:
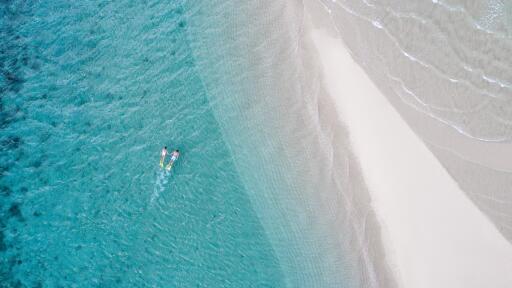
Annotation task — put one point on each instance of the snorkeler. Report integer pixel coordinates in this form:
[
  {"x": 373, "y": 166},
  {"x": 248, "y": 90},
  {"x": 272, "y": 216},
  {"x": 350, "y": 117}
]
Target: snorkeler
[
  {"x": 162, "y": 158},
  {"x": 174, "y": 155}
]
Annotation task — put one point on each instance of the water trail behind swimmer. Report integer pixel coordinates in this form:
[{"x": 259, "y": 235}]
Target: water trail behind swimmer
[{"x": 160, "y": 182}]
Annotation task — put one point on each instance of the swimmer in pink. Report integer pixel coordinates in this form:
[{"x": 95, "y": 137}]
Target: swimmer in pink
[
  {"x": 162, "y": 158},
  {"x": 174, "y": 155}
]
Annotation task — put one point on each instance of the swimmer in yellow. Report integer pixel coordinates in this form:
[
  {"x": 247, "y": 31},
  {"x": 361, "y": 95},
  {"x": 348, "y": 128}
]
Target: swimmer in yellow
[{"x": 162, "y": 158}]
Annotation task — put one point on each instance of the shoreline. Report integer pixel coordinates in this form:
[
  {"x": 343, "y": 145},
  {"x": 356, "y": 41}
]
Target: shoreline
[
  {"x": 361, "y": 220},
  {"x": 264, "y": 99},
  {"x": 428, "y": 222}
]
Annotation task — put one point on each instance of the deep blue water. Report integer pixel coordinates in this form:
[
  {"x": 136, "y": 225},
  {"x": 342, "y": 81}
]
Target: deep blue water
[{"x": 90, "y": 92}]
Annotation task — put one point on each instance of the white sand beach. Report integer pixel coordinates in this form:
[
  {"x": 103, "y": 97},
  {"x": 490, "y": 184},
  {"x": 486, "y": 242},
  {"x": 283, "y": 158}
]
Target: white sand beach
[{"x": 433, "y": 235}]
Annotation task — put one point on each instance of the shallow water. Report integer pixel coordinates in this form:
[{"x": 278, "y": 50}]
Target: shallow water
[
  {"x": 447, "y": 59},
  {"x": 265, "y": 91},
  {"x": 91, "y": 91}
]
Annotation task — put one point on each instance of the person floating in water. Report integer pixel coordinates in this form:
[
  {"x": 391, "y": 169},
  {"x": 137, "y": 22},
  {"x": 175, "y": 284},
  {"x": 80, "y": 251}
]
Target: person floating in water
[
  {"x": 162, "y": 158},
  {"x": 174, "y": 155}
]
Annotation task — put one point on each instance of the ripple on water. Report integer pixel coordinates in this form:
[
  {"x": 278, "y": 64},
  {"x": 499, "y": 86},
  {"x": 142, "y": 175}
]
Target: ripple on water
[{"x": 447, "y": 59}]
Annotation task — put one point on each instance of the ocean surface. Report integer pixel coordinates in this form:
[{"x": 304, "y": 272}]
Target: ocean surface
[{"x": 90, "y": 93}]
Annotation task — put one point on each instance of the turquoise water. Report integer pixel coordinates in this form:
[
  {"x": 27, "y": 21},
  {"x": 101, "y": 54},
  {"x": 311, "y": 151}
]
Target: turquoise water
[{"x": 90, "y": 92}]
